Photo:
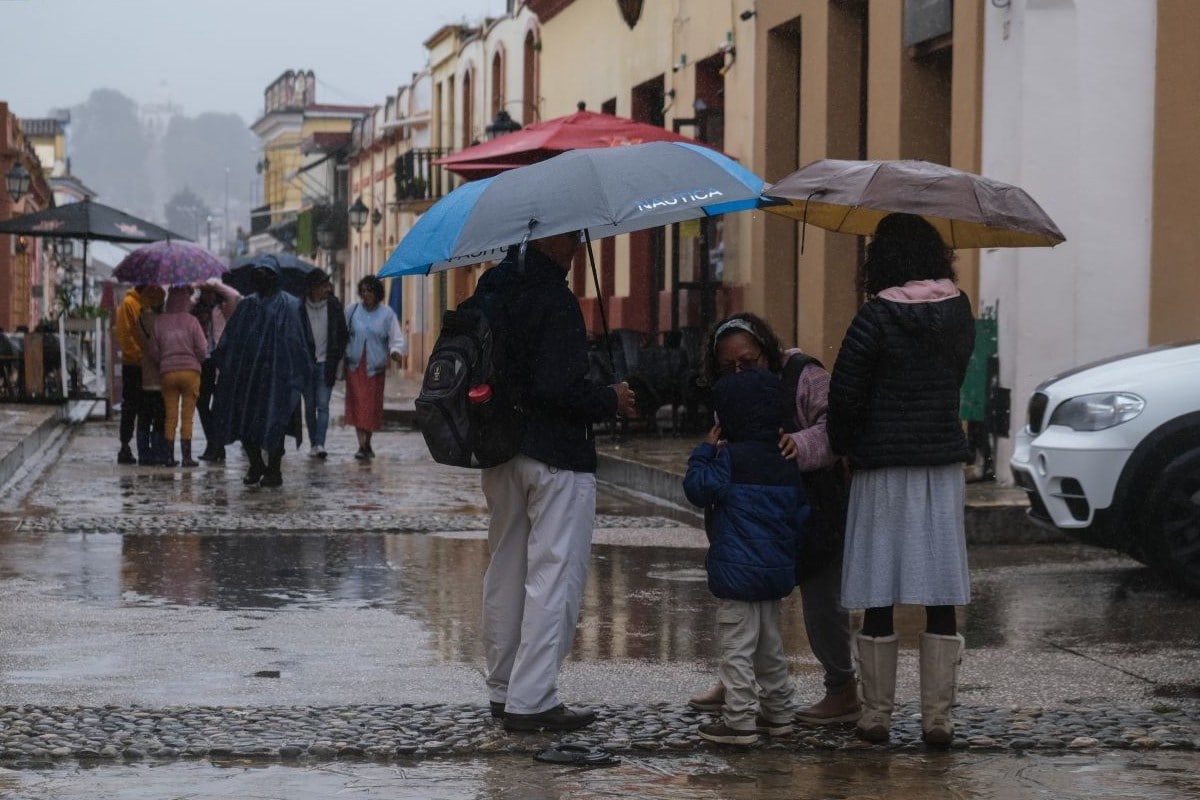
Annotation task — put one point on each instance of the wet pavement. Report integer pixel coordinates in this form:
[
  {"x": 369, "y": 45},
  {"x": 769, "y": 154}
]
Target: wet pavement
[
  {"x": 708, "y": 776},
  {"x": 173, "y": 627}
]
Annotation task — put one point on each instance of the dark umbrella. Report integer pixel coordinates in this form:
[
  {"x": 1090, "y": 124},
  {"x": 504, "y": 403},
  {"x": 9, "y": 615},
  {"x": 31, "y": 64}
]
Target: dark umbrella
[
  {"x": 292, "y": 272},
  {"x": 87, "y": 220}
]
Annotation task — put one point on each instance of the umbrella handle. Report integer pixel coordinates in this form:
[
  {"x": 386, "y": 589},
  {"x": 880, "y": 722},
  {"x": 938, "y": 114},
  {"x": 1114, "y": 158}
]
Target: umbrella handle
[
  {"x": 599, "y": 299},
  {"x": 612, "y": 361},
  {"x": 524, "y": 244}
]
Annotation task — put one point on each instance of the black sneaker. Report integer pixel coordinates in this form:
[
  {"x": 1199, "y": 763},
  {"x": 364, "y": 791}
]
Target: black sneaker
[
  {"x": 361, "y": 455},
  {"x": 271, "y": 479},
  {"x": 559, "y": 718},
  {"x": 125, "y": 455},
  {"x": 721, "y": 733}
]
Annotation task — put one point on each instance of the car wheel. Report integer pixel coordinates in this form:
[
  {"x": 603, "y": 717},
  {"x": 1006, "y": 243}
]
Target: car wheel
[{"x": 1172, "y": 524}]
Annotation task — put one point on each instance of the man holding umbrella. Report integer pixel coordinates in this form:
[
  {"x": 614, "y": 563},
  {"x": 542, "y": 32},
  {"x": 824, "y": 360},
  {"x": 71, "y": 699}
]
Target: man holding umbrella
[{"x": 543, "y": 501}]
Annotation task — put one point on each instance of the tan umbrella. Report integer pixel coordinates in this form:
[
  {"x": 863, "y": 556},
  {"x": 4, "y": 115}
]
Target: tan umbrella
[{"x": 968, "y": 210}]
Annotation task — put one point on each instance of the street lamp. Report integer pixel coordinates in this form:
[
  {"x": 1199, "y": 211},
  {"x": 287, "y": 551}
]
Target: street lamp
[
  {"x": 502, "y": 124},
  {"x": 325, "y": 236},
  {"x": 358, "y": 214},
  {"x": 17, "y": 181}
]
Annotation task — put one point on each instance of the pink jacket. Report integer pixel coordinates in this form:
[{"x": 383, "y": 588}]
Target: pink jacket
[
  {"x": 177, "y": 341},
  {"x": 812, "y": 400},
  {"x": 229, "y": 299}
]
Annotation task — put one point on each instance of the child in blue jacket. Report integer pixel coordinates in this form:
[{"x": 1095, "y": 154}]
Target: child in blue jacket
[{"x": 757, "y": 512}]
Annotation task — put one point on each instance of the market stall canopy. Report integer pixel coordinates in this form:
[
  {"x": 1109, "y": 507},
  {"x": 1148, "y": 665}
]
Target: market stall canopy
[
  {"x": 541, "y": 140},
  {"x": 87, "y": 220}
]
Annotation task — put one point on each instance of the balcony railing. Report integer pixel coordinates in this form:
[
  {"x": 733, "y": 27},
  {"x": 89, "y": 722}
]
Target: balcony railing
[
  {"x": 418, "y": 179},
  {"x": 260, "y": 219}
]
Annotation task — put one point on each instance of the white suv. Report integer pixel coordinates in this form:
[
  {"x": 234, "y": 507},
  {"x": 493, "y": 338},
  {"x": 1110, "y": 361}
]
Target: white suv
[{"x": 1110, "y": 453}]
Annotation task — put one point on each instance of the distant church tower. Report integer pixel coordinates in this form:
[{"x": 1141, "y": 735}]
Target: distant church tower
[{"x": 155, "y": 118}]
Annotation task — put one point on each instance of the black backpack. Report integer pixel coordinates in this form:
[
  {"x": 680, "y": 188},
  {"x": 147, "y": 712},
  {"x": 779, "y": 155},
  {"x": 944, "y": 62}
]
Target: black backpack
[
  {"x": 468, "y": 407},
  {"x": 828, "y": 493}
]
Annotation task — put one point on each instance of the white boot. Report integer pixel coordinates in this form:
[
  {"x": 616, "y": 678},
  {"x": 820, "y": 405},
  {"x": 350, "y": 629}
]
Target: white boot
[
  {"x": 876, "y": 660},
  {"x": 940, "y": 657}
]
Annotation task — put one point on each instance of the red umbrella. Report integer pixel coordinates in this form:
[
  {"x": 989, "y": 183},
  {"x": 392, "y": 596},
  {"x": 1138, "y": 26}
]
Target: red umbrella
[{"x": 541, "y": 140}]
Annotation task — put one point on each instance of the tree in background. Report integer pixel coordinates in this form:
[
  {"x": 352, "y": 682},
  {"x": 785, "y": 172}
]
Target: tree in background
[
  {"x": 189, "y": 215},
  {"x": 136, "y": 157},
  {"x": 197, "y": 152},
  {"x": 109, "y": 149}
]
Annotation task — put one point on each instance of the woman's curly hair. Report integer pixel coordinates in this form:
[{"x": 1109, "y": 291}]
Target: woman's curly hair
[
  {"x": 372, "y": 285},
  {"x": 761, "y": 331},
  {"x": 905, "y": 248}
]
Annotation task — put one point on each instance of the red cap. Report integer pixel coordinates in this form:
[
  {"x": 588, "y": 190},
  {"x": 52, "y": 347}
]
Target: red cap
[{"x": 480, "y": 394}]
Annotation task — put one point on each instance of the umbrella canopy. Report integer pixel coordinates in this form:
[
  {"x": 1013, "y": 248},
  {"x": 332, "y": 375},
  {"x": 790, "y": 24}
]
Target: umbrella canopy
[
  {"x": 968, "y": 210},
  {"x": 292, "y": 271},
  {"x": 87, "y": 220},
  {"x": 606, "y": 191},
  {"x": 169, "y": 264},
  {"x": 542, "y": 140}
]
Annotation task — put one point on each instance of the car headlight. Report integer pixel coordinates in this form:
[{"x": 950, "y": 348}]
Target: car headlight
[{"x": 1095, "y": 412}]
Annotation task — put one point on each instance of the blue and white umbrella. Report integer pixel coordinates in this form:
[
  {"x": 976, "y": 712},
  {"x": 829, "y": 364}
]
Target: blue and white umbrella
[{"x": 605, "y": 191}]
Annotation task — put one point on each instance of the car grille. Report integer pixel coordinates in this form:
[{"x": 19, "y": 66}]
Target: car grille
[{"x": 1037, "y": 412}]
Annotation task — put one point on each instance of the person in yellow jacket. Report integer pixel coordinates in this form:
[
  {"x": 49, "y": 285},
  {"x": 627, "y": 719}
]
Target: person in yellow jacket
[{"x": 133, "y": 401}]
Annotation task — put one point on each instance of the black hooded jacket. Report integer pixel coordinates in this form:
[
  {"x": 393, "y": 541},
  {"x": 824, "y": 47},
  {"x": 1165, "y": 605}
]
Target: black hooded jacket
[
  {"x": 894, "y": 393},
  {"x": 546, "y": 349}
]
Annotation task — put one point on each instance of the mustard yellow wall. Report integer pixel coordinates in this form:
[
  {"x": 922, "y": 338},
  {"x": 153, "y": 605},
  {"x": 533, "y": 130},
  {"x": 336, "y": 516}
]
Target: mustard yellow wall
[
  {"x": 904, "y": 106},
  {"x": 670, "y": 33}
]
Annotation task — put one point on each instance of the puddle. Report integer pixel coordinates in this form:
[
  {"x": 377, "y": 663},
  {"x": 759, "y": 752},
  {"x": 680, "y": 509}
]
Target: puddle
[{"x": 775, "y": 776}]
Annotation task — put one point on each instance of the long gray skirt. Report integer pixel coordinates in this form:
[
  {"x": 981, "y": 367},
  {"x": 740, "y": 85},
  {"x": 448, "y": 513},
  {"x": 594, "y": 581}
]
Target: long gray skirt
[{"x": 905, "y": 541}]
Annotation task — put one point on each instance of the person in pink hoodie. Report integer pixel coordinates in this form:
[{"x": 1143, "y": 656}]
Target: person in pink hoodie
[{"x": 177, "y": 343}]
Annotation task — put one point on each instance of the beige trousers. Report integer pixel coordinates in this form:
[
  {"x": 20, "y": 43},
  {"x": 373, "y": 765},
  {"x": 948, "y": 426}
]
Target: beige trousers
[{"x": 540, "y": 538}]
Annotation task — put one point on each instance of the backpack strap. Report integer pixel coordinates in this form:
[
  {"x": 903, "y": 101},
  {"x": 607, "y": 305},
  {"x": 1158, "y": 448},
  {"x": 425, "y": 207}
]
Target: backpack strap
[{"x": 790, "y": 381}]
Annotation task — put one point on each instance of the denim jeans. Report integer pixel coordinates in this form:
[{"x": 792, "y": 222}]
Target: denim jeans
[{"x": 316, "y": 405}]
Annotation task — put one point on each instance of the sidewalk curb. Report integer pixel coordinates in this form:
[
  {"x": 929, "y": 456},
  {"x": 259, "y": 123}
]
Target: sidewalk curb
[
  {"x": 986, "y": 521},
  {"x": 27, "y": 447}
]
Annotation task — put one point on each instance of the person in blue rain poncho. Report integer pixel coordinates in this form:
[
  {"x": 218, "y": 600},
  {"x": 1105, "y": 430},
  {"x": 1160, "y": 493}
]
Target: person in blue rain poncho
[{"x": 263, "y": 361}]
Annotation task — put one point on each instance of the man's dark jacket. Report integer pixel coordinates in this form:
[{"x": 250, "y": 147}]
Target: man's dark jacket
[
  {"x": 337, "y": 336},
  {"x": 894, "y": 393},
  {"x": 546, "y": 349}
]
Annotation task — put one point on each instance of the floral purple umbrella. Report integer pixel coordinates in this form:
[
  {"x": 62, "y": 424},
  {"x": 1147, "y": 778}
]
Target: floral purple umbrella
[{"x": 169, "y": 263}]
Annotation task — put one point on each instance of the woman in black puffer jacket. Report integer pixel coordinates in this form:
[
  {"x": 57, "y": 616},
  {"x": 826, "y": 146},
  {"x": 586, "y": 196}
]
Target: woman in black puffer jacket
[{"x": 893, "y": 410}]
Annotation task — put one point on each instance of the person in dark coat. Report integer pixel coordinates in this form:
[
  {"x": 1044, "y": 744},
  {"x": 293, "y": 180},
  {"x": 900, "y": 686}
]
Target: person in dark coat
[
  {"x": 542, "y": 502},
  {"x": 263, "y": 363},
  {"x": 756, "y": 513},
  {"x": 893, "y": 410},
  {"x": 327, "y": 321}
]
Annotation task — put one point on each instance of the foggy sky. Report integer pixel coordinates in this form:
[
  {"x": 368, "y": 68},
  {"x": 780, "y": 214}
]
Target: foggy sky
[{"x": 215, "y": 55}]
